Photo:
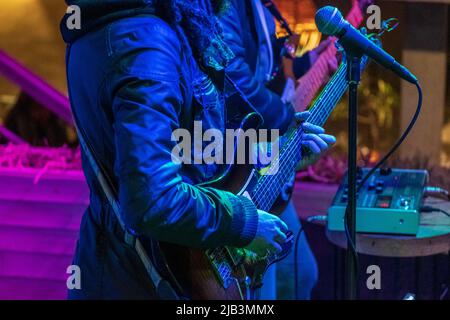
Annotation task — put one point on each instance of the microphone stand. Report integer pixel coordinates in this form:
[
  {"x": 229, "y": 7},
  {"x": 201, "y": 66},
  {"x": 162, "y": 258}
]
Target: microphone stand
[{"x": 353, "y": 79}]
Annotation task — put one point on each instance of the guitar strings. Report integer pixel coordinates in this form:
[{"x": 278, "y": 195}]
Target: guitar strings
[
  {"x": 267, "y": 197},
  {"x": 294, "y": 148}
]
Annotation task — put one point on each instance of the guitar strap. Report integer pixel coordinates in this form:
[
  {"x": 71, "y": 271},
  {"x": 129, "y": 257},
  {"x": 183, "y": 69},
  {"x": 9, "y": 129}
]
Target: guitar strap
[
  {"x": 262, "y": 18},
  {"x": 288, "y": 93},
  {"x": 163, "y": 288},
  {"x": 270, "y": 5}
]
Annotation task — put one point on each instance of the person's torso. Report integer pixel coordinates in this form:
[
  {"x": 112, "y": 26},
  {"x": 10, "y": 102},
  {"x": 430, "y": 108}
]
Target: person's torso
[{"x": 88, "y": 74}]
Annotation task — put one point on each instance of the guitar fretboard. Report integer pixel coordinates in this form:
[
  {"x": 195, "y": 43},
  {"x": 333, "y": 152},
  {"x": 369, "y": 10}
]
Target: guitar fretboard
[{"x": 283, "y": 167}]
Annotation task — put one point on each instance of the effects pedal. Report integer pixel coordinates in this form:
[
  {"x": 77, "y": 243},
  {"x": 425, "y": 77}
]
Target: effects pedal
[{"x": 389, "y": 202}]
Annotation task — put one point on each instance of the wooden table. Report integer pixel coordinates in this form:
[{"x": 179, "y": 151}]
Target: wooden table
[{"x": 313, "y": 200}]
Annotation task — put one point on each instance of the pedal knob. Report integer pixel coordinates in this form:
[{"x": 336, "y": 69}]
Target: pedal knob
[
  {"x": 385, "y": 171},
  {"x": 404, "y": 202}
]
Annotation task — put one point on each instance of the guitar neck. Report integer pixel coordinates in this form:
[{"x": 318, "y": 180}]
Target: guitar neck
[
  {"x": 330, "y": 95},
  {"x": 269, "y": 186},
  {"x": 313, "y": 80}
]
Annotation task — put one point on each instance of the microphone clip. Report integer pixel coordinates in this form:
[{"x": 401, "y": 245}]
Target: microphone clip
[{"x": 386, "y": 26}]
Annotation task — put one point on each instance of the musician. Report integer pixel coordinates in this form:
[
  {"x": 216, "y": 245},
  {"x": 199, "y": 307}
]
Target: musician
[
  {"x": 136, "y": 72},
  {"x": 249, "y": 30}
]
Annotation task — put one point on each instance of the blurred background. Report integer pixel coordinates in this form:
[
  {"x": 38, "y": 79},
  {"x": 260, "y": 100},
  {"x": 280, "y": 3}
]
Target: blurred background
[
  {"x": 29, "y": 35},
  {"x": 42, "y": 191}
]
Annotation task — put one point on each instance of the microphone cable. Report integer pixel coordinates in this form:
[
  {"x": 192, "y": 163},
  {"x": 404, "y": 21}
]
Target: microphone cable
[{"x": 380, "y": 163}]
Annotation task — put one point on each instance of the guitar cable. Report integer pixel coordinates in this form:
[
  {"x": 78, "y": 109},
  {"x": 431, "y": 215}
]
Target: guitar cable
[
  {"x": 437, "y": 192},
  {"x": 427, "y": 209},
  {"x": 377, "y": 166}
]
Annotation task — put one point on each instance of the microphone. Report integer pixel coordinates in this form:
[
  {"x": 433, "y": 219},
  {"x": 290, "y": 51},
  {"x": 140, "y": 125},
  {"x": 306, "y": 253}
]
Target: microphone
[{"x": 329, "y": 21}]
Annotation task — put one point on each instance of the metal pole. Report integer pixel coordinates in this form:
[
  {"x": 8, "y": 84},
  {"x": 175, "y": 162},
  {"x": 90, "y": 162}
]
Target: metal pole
[{"x": 351, "y": 272}]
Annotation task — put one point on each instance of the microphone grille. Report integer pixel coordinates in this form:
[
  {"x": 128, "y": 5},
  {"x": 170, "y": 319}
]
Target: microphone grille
[{"x": 328, "y": 20}]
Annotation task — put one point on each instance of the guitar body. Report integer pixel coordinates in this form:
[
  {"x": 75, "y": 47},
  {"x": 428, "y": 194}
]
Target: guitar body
[
  {"x": 192, "y": 270},
  {"x": 223, "y": 273},
  {"x": 196, "y": 279}
]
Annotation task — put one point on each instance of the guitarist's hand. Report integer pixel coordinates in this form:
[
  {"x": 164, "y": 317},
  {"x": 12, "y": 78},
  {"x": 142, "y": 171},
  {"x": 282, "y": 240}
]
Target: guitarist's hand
[
  {"x": 314, "y": 140},
  {"x": 271, "y": 233}
]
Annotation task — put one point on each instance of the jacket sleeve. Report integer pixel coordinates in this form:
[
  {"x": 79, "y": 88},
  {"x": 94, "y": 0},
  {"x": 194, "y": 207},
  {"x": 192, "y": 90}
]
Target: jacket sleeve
[
  {"x": 155, "y": 201},
  {"x": 275, "y": 113}
]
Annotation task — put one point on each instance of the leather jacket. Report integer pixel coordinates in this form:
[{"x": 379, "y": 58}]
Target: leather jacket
[{"x": 133, "y": 81}]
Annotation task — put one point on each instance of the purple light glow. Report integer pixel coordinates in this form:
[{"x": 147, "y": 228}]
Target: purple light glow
[{"x": 38, "y": 231}]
